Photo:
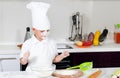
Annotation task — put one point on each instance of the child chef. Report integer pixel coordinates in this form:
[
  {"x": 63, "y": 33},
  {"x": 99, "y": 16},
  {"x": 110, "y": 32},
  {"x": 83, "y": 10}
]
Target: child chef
[{"x": 39, "y": 51}]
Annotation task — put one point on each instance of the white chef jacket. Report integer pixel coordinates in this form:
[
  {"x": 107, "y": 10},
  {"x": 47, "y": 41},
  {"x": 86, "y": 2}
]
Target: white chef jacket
[{"x": 42, "y": 53}]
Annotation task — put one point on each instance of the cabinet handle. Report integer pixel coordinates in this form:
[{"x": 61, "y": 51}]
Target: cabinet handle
[{"x": 7, "y": 58}]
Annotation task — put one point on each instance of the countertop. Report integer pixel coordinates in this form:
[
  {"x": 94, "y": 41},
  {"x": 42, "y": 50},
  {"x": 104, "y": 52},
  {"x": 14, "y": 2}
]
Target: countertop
[
  {"x": 9, "y": 49},
  {"x": 106, "y": 73},
  {"x": 106, "y": 47}
]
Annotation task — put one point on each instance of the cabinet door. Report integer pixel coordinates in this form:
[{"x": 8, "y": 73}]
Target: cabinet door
[
  {"x": 79, "y": 58},
  {"x": 9, "y": 63},
  {"x": 99, "y": 59}
]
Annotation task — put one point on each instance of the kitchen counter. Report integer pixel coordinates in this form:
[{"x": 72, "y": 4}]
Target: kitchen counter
[
  {"x": 106, "y": 47},
  {"x": 106, "y": 73},
  {"x": 9, "y": 49}
]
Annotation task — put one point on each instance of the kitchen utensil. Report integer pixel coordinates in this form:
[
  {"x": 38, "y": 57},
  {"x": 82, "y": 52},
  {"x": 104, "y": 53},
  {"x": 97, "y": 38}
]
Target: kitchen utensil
[
  {"x": 95, "y": 74},
  {"x": 43, "y": 72},
  {"x": 83, "y": 66},
  {"x": 67, "y": 73},
  {"x": 27, "y": 35},
  {"x": 76, "y": 31}
]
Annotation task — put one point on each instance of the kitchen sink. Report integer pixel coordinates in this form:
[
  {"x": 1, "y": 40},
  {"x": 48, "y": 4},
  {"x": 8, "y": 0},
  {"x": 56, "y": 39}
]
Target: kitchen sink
[{"x": 64, "y": 46}]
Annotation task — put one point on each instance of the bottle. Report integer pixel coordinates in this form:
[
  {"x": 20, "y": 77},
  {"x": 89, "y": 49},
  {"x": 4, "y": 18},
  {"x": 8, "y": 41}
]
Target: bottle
[
  {"x": 27, "y": 35},
  {"x": 117, "y": 33}
]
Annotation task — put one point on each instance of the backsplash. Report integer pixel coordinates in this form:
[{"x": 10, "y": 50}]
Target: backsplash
[{"x": 14, "y": 17}]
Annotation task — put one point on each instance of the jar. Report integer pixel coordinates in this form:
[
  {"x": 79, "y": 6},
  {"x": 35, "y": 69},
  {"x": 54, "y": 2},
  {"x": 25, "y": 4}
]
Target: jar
[{"x": 117, "y": 33}]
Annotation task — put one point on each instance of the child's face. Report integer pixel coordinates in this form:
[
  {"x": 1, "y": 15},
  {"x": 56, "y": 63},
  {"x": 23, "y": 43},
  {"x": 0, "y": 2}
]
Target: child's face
[{"x": 40, "y": 34}]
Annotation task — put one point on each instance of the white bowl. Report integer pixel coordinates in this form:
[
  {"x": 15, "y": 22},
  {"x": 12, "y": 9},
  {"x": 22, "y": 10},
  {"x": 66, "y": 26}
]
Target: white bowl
[
  {"x": 68, "y": 73},
  {"x": 43, "y": 71}
]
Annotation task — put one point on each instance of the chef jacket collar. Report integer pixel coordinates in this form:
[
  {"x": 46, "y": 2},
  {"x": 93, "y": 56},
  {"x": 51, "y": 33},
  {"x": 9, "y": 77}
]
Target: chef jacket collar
[{"x": 35, "y": 40}]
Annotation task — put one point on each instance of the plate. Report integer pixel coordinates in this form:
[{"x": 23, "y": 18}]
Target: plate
[{"x": 82, "y": 46}]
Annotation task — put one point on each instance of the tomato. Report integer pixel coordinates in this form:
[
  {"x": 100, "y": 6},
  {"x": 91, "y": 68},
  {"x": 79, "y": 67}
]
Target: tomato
[{"x": 87, "y": 43}]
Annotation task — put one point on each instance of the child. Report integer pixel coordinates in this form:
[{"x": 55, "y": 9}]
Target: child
[{"x": 39, "y": 51}]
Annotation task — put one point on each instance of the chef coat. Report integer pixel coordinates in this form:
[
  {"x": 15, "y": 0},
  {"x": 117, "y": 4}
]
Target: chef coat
[{"x": 42, "y": 53}]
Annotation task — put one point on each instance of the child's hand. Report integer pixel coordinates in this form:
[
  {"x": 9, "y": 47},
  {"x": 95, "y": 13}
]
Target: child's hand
[
  {"x": 65, "y": 54},
  {"x": 24, "y": 59},
  {"x": 26, "y": 55}
]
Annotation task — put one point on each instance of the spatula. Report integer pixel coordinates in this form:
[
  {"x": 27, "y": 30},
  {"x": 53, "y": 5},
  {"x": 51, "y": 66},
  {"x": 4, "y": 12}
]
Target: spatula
[{"x": 83, "y": 66}]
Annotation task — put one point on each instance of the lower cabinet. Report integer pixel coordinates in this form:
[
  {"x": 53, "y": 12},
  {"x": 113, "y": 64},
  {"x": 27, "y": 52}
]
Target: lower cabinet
[
  {"x": 9, "y": 63},
  {"x": 99, "y": 59}
]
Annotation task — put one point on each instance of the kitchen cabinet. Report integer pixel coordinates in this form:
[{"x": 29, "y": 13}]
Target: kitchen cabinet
[
  {"x": 9, "y": 62},
  {"x": 99, "y": 59},
  {"x": 106, "y": 55}
]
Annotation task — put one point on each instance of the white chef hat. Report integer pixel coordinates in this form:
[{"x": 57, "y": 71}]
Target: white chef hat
[{"x": 39, "y": 15}]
